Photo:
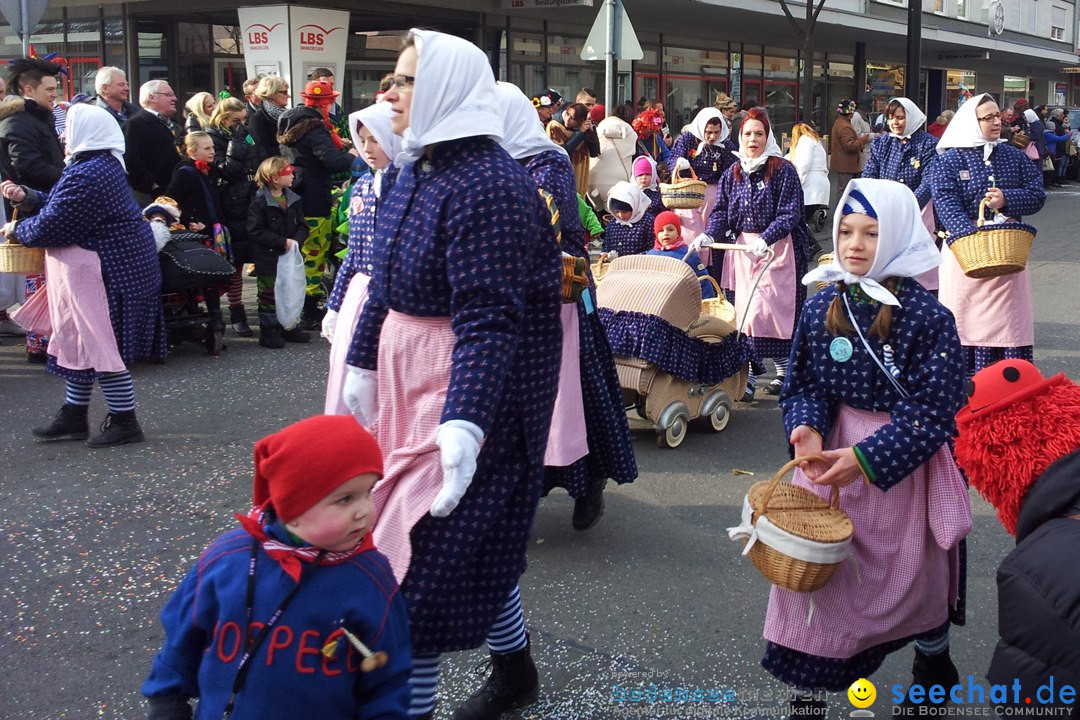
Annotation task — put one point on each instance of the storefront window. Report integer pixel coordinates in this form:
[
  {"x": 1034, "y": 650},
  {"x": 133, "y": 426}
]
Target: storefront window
[
  {"x": 153, "y": 55},
  {"x": 1015, "y": 89},
  {"x": 193, "y": 73},
  {"x": 781, "y": 92},
  {"x": 886, "y": 82},
  {"x": 567, "y": 72},
  {"x": 692, "y": 80},
  {"x": 115, "y": 50},
  {"x": 751, "y": 75},
  {"x": 959, "y": 84}
]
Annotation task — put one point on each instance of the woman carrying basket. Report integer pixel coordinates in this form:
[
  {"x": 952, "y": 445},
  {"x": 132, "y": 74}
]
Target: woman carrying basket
[
  {"x": 875, "y": 379},
  {"x": 994, "y": 315}
]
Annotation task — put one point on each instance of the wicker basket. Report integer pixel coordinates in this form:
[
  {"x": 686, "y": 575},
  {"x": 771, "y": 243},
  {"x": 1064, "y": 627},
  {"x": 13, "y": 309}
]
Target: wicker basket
[
  {"x": 683, "y": 194},
  {"x": 801, "y": 513},
  {"x": 825, "y": 259},
  {"x": 718, "y": 306},
  {"x": 20, "y": 260},
  {"x": 993, "y": 251},
  {"x": 600, "y": 268},
  {"x": 574, "y": 279}
]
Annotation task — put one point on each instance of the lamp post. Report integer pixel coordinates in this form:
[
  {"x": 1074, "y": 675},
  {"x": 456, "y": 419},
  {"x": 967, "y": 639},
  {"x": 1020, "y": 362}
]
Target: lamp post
[{"x": 914, "y": 51}]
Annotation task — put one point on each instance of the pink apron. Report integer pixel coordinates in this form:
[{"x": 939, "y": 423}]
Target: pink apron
[
  {"x": 990, "y": 312},
  {"x": 567, "y": 439},
  {"x": 349, "y": 315},
  {"x": 695, "y": 221},
  {"x": 771, "y": 307},
  {"x": 929, "y": 279},
  {"x": 414, "y": 373},
  {"x": 82, "y": 335},
  {"x": 904, "y": 575}
]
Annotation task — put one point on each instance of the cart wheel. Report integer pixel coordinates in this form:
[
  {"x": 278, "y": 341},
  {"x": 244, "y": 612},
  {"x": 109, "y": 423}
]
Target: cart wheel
[
  {"x": 819, "y": 220},
  {"x": 215, "y": 342},
  {"x": 720, "y": 417},
  {"x": 674, "y": 435}
]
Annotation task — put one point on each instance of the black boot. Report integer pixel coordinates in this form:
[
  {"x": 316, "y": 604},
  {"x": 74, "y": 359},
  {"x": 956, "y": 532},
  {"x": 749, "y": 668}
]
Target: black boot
[
  {"x": 239, "y": 321},
  {"x": 270, "y": 331},
  {"x": 929, "y": 670},
  {"x": 311, "y": 317},
  {"x": 70, "y": 423},
  {"x": 513, "y": 683},
  {"x": 296, "y": 335},
  {"x": 589, "y": 508},
  {"x": 119, "y": 428}
]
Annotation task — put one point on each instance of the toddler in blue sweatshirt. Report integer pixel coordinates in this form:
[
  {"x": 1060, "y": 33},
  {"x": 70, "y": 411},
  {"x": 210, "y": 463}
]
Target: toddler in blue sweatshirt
[
  {"x": 668, "y": 230},
  {"x": 295, "y": 613}
]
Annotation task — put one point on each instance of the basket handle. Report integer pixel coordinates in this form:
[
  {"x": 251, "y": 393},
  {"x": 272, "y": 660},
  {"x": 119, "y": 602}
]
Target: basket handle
[
  {"x": 678, "y": 175},
  {"x": 980, "y": 221},
  {"x": 716, "y": 285},
  {"x": 788, "y": 467}
]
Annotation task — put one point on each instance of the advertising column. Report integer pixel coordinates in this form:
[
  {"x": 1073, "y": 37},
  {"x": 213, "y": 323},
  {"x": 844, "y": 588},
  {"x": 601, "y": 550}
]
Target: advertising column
[{"x": 289, "y": 41}]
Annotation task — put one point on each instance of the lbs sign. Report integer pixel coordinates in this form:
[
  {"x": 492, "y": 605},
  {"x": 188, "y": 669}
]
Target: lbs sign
[
  {"x": 312, "y": 37},
  {"x": 258, "y": 35}
]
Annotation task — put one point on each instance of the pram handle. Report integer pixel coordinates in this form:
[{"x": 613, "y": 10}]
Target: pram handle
[{"x": 729, "y": 246}]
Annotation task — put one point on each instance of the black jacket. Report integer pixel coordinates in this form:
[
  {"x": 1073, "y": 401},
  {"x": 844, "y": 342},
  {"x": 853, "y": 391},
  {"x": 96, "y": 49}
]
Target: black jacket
[
  {"x": 268, "y": 227},
  {"x": 263, "y": 130},
  {"x": 151, "y": 152},
  {"x": 30, "y": 151},
  {"x": 236, "y": 161},
  {"x": 1039, "y": 586},
  {"x": 198, "y": 195},
  {"x": 307, "y": 144}
]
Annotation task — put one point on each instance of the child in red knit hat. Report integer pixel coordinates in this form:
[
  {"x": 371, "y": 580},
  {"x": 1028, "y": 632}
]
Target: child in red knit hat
[
  {"x": 294, "y": 613},
  {"x": 1019, "y": 444},
  {"x": 667, "y": 228}
]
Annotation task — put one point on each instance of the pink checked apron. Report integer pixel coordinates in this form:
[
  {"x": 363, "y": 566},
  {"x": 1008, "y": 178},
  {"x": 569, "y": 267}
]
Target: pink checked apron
[
  {"x": 990, "y": 312},
  {"x": 567, "y": 439},
  {"x": 905, "y": 550},
  {"x": 929, "y": 279},
  {"x": 81, "y": 335},
  {"x": 349, "y": 315},
  {"x": 771, "y": 312},
  {"x": 414, "y": 373},
  {"x": 695, "y": 221}
]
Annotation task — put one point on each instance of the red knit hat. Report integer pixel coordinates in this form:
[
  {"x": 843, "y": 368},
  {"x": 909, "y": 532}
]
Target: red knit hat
[
  {"x": 666, "y": 218},
  {"x": 298, "y": 466},
  {"x": 597, "y": 113}
]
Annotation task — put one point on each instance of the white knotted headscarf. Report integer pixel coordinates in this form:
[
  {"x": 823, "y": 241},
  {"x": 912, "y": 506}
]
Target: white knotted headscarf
[
  {"x": 916, "y": 118},
  {"x": 92, "y": 128},
  {"x": 633, "y": 196},
  {"x": 453, "y": 95},
  {"x": 376, "y": 118},
  {"x": 905, "y": 247},
  {"x": 963, "y": 130},
  {"x": 522, "y": 136},
  {"x": 750, "y": 164},
  {"x": 701, "y": 121},
  {"x": 1031, "y": 116}
]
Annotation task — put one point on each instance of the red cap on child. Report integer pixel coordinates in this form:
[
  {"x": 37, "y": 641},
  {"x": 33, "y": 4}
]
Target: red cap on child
[
  {"x": 298, "y": 466},
  {"x": 666, "y": 218}
]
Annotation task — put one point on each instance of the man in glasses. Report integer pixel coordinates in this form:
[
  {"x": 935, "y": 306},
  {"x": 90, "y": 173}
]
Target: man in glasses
[{"x": 151, "y": 141}]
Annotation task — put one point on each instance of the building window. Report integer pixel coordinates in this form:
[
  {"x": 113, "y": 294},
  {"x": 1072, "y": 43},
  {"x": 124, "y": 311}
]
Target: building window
[
  {"x": 961, "y": 9},
  {"x": 1058, "y": 20}
]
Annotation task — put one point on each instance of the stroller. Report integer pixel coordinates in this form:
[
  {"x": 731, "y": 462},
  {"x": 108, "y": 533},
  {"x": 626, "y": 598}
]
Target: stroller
[
  {"x": 676, "y": 366},
  {"x": 188, "y": 268},
  {"x": 816, "y": 217}
]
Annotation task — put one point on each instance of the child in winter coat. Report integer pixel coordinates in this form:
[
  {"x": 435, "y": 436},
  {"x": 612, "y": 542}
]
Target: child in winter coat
[
  {"x": 669, "y": 242},
  {"x": 275, "y": 225},
  {"x": 630, "y": 230},
  {"x": 294, "y": 613},
  {"x": 1018, "y": 441}
]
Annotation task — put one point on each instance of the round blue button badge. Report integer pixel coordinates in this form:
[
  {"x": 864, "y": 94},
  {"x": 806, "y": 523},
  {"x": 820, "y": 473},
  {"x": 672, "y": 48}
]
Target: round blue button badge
[{"x": 840, "y": 349}]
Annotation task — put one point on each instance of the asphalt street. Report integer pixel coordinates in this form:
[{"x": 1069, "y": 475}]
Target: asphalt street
[{"x": 93, "y": 542}]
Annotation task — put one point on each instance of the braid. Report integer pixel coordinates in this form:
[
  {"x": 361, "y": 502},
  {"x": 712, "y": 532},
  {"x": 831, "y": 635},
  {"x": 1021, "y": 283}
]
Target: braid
[
  {"x": 836, "y": 320},
  {"x": 883, "y": 321}
]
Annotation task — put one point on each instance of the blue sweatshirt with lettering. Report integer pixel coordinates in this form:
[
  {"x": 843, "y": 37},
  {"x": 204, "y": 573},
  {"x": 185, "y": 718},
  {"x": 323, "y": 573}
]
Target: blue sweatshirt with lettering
[{"x": 290, "y": 676}]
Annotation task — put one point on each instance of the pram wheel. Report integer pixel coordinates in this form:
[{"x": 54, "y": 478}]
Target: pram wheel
[
  {"x": 214, "y": 341},
  {"x": 718, "y": 419},
  {"x": 676, "y": 432}
]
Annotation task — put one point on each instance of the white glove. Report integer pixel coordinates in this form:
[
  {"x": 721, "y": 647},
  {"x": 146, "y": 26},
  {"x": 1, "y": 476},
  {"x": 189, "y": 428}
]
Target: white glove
[
  {"x": 758, "y": 246},
  {"x": 162, "y": 235},
  {"x": 361, "y": 394},
  {"x": 611, "y": 255},
  {"x": 700, "y": 240},
  {"x": 329, "y": 322},
  {"x": 459, "y": 443},
  {"x": 682, "y": 164}
]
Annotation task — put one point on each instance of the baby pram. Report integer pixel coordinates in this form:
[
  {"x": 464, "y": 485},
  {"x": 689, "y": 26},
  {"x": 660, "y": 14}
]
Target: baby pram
[
  {"x": 675, "y": 364},
  {"x": 188, "y": 268}
]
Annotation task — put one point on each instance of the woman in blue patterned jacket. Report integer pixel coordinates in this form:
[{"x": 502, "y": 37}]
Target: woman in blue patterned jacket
[
  {"x": 455, "y": 362},
  {"x": 994, "y": 316}
]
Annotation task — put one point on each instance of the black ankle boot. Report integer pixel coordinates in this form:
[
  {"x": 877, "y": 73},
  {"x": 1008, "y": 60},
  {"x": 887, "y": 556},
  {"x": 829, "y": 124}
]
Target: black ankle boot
[
  {"x": 311, "y": 317},
  {"x": 70, "y": 423},
  {"x": 118, "y": 429},
  {"x": 589, "y": 508},
  {"x": 513, "y": 683},
  {"x": 930, "y": 670},
  {"x": 270, "y": 331},
  {"x": 238, "y": 320},
  {"x": 296, "y": 335}
]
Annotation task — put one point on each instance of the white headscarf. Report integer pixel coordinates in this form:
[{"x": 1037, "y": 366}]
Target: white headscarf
[
  {"x": 905, "y": 247},
  {"x": 633, "y": 196},
  {"x": 522, "y": 136},
  {"x": 654, "y": 184},
  {"x": 453, "y": 95},
  {"x": 1031, "y": 116},
  {"x": 963, "y": 130},
  {"x": 376, "y": 118},
  {"x": 92, "y": 128},
  {"x": 702, "y": 119},
  {"x": 916, "y": 118},
  {"x": 750, "y": 164}
]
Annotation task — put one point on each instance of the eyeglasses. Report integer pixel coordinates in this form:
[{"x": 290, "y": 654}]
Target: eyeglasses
[
  {"x": 400, "y": 82},
  {"x": 990, "y": 118},
  {"x": 282, "y": 92}
]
